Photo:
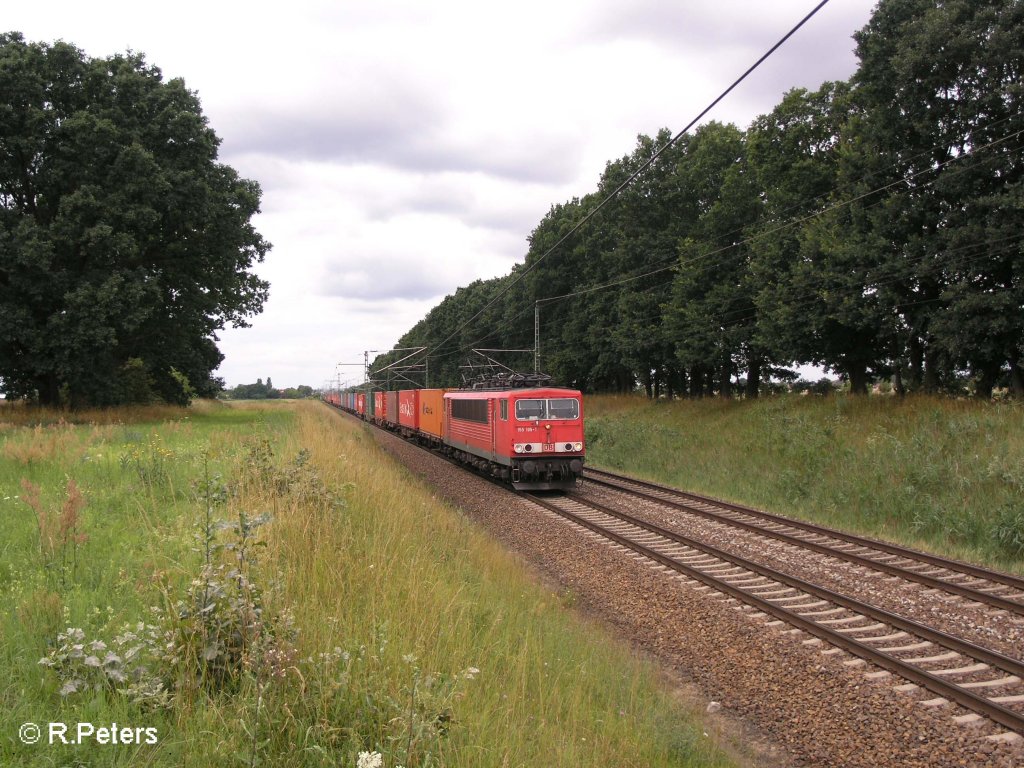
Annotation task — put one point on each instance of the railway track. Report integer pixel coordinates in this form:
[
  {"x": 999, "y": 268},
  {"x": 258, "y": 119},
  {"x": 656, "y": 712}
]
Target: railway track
[
  {"x": 988, "y": 684},
  {"x": 997, "y": 590}
]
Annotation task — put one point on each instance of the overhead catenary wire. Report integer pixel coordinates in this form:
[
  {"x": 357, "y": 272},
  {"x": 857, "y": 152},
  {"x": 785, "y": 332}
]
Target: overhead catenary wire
[
  {"x": 738, "y": 316},
  {"x": 791, "y": 223},
  {"x": 629, "y": 180},
  {"x": 672, "y": 263}
]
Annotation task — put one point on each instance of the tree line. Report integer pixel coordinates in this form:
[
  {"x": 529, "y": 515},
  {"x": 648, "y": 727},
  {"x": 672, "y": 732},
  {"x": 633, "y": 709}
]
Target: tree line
[
  {"x": 261, "y": 391},
  {"x": 872, "y": 226}
]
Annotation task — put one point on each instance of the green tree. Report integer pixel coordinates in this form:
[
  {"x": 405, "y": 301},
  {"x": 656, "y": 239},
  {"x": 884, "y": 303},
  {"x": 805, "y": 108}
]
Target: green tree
[
  {"x": 559, "y": 274},
  {"x": 943, "y": 89},
  {"x": 816, "y": 273},
  {"x": 712, "y": 315},
  {"x": 646, "y": 220},
  {"x": 124, "y": 245}
]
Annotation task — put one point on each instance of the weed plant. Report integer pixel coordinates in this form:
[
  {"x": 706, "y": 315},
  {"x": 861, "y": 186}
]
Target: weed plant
[{"x": 946, "y": 475}]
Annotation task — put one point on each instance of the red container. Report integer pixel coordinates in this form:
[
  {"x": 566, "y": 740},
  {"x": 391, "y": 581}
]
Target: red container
[
  {"x": 409, "y": 408},
  {"x": 361, "y": 403},
  {"x": 378, "y": 406},
  {"x": 391, "y": 410}
]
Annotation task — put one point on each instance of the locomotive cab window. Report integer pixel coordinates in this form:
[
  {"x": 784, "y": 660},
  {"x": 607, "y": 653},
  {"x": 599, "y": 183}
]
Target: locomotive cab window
[
  {"x": 504, "y": 410},
  {"x": 563, "y": 408},
  {"x": 527, "y": 410},
  {"x": 556, "y": 408}
]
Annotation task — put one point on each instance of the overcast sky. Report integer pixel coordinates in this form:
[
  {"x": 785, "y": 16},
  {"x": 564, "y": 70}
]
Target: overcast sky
[{"x": 407, "y": 148}]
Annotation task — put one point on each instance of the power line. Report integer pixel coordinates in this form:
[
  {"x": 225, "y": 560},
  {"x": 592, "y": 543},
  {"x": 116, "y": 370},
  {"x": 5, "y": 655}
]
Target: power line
[
  {"x": 739, "y": 316},
  {"x": 675, "y": 263},
  {"x": 973, "y": 151},
  {"x": 786, "y": 225},
  {"x": 640, "y": 170}
]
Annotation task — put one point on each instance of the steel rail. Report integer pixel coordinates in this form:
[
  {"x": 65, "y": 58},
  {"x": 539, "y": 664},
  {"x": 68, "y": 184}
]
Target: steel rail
[
  {"x": 958, "y": 566},
  {"x": 850, "y": 557},
  {"x": 992, "y": 710}
]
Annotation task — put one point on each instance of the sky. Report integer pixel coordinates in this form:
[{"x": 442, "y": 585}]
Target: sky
[{"x": 406, "y": 148}]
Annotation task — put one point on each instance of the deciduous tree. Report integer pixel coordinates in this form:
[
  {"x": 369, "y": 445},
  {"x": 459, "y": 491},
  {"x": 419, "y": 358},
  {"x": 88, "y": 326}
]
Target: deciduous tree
[{"x": 122, "y": 238}]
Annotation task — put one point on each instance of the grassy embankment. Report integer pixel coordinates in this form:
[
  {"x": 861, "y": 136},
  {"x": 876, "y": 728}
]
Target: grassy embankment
[
  {"x": 354, "y": 618},
  {"x": 945, "y": 475}
]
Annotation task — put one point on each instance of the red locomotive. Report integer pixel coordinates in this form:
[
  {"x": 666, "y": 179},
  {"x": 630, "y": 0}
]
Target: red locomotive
[{"x": 531, "y": 437}]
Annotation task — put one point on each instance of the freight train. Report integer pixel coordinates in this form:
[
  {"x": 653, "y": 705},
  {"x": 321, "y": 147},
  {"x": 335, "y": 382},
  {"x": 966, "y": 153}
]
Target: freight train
[{"x": 529, "y": 437}]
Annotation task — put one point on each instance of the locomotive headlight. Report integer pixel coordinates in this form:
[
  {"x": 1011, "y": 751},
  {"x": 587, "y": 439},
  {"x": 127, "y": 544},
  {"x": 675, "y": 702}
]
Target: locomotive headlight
[
  {"x": 518, "y": 447},
  {"x": 577, "y": 446}
]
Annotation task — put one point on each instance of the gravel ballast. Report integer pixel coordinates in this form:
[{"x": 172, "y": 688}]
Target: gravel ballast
[{"x": 998, "y": 630}]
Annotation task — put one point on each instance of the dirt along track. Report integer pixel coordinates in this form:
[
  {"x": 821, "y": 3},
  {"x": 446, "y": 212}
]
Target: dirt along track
[{"x": 783, "y": 701}]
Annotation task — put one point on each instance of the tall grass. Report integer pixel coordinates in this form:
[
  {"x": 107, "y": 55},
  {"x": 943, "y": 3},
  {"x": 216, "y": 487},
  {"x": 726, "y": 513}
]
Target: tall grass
[
  {"x": 356, "y": 613},
  {"x": 19, "y": 413},
  {"x": 947, "y": 475}
]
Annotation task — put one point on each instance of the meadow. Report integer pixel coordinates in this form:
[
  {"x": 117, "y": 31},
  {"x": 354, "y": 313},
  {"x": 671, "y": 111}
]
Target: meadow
[
  {"x": 935, "y": 473},
  {"x": 260, "y": 584}
]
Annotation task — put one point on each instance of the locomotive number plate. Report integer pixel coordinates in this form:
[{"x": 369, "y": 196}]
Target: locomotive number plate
[{"x": 548, "y": 447}]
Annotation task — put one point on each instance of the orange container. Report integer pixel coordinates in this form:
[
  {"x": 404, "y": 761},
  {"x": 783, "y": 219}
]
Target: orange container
[{"x": 431, "y": 407}]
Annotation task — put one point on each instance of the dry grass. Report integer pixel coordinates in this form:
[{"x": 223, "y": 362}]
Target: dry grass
[{"x": 39, "y": 444}]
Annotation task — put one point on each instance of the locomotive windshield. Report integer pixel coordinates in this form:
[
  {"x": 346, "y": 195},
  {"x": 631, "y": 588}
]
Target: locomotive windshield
[{"x": 556, "y": 408}]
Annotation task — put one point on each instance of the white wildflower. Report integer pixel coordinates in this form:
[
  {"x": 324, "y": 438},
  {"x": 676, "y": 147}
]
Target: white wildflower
[
  {"x": 73, "y": 633},
  {"x": 470, "y": 672},
  {"x": 370, "y": 760}
]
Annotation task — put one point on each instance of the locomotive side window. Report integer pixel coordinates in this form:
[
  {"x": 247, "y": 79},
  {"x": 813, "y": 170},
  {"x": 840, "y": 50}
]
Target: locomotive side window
[
  {"x": 556, "y": 408},
  {"x": 504, "y": 410},
  {"x": 470, "y": 410}
]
